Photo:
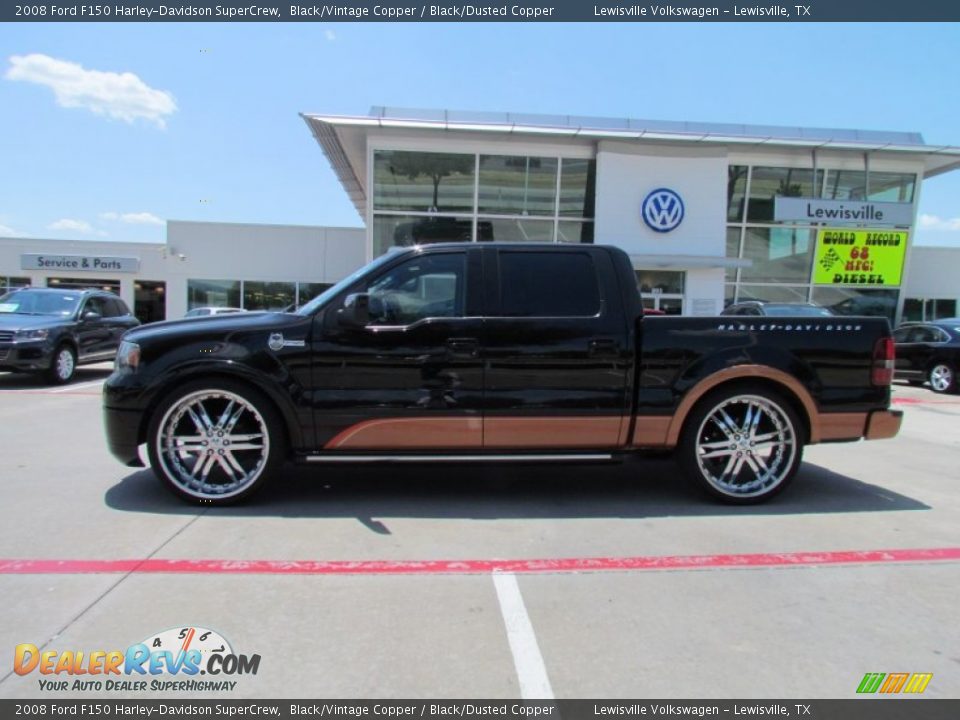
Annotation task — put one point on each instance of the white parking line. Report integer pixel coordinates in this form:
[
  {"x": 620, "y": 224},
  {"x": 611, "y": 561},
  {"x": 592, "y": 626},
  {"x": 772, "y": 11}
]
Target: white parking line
[
  {"x": 531, "y": 672},
  {"x": 68, "y": 388}
]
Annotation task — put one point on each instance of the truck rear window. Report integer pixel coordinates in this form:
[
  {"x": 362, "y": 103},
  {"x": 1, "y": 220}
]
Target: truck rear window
[{"x": 548, "y": 284}]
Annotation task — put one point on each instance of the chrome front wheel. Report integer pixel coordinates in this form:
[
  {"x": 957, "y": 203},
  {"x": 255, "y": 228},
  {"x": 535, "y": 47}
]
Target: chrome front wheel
[
  {"x": 215, "y": 444},
  {"x": 743, "y": 446}
]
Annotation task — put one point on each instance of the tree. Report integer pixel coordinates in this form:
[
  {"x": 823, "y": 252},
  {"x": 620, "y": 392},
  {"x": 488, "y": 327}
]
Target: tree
[{"x": 436, "y": 166}]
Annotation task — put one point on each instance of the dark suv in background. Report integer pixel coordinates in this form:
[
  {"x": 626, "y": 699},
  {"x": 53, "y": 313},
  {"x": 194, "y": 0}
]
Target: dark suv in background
[{"x": 53, "y": 331}]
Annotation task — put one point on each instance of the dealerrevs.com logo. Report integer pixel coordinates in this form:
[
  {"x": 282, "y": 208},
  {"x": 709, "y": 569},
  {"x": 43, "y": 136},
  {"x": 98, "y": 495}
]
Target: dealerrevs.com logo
[{"x": 170, "y": 661}]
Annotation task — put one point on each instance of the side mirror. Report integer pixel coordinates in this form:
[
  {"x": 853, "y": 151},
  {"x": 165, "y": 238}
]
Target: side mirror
[
  {"x": 90, "y": 316},
  {"x": 355, "y": 312}
]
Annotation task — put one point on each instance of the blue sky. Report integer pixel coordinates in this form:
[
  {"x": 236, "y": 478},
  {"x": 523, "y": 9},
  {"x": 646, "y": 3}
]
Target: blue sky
[{"x": 200, "y": 121}]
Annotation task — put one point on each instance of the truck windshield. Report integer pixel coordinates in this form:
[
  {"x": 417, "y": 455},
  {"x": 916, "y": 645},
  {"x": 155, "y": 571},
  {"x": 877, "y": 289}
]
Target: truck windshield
[{"x": 323, "y": 298}]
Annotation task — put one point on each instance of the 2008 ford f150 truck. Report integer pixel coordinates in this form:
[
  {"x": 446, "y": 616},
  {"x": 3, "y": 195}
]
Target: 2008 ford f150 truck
[{"x": 493, "y": 352}]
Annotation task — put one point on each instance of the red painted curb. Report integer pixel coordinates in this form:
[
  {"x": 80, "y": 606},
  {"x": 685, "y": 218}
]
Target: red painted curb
[{"x": 471, "y": 567}]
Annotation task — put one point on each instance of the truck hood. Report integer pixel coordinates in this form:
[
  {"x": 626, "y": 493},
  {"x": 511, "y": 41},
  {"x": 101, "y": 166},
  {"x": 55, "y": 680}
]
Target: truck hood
[{"x": 213, "y": 326}]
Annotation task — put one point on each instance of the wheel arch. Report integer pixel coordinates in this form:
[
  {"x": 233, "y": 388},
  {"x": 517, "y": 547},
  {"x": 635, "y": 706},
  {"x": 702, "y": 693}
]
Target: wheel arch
[
  {"x": 778, "y": 381},
  {"x": 290, "y": 428}
]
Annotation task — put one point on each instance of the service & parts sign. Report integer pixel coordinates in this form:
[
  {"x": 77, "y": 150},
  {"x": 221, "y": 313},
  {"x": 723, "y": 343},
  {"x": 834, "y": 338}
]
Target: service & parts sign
[{"x": 859, "y": 257}]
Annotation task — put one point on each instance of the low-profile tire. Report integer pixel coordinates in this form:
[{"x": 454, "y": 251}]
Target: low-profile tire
[
  {"x": 943, "y": 378},
  {"x": 742, "y": 444},
  {"x": 63, "y": 365},
  {"x": 216, "y": 442}
]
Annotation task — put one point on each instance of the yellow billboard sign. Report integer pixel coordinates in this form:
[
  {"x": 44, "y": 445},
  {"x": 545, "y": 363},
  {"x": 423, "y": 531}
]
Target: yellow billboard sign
[{"x": 859, "y": 257}]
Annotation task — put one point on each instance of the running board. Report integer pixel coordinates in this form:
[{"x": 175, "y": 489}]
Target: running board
[{"x": 338, "y": 458}]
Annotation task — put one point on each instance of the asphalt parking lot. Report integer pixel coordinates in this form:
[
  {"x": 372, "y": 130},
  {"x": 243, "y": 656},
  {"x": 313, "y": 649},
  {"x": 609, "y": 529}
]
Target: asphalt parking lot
[{"x": 490, "y": 582}]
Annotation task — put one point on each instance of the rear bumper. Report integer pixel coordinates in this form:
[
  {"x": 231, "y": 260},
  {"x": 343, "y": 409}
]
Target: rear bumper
[
  {"x": 883, "y": 424},
  {"x": 122, "y": 431}
]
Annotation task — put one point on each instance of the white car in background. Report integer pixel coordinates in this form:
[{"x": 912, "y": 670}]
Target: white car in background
[{"x": 207, "y": 311}]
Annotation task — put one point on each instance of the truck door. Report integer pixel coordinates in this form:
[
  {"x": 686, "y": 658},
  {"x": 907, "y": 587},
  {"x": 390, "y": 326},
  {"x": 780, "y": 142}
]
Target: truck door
[
  {"x": 412, "y": 379},
  {"x": 555, "y": 350}
]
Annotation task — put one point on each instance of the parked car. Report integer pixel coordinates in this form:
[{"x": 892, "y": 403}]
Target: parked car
[
  {"x": 53, "y": 331},
  {"x": 208, "y": 311},
  {"x": 929, "y": 352},
  {"x": 775, "y": 309},
  {"x": 493, "y": 352}
]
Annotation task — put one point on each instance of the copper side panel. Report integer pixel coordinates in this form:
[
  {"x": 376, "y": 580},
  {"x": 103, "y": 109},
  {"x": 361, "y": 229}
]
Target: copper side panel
[
  {"x": 551, "y": 432},
  {"x": 448, "y": 433},
  {"x": 883, "y": 424},
  {"x": 651, "y": 431},
  {"x": 842, "y": 426}
]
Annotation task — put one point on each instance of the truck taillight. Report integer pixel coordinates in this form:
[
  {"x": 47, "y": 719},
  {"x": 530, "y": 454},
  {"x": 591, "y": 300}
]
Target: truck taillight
[{"x": 884, "y": 354}]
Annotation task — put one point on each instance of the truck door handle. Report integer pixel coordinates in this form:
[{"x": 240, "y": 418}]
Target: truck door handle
[
  {"x": 603, "y": 347},
  {"x": 463, "y": 347}
]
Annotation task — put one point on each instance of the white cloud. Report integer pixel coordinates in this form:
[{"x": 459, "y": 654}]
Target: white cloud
[
  {"x": 140, "y": 218},
  {"x": 8, "y": 231},
  {"x": 71, "y": 225},
  {"x": 935, "y": 222},
  {"x": 330, "y": 35},
  {"x": 122, "y": 96}
]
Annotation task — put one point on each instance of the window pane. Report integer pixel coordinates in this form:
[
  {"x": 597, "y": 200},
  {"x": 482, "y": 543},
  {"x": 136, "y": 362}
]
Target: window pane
[
  {"x": 213, "y": 293},
  {"x": 729, "y": 293},
  {"x": 430, "y": 286},
  {"x": 773, "y": 293},
  {"x": 736, "y": 190},
  {"x": 9, "y": 283},
  {"x": 578, "y": 188},
  {"x": 512, "y": 185},
  {"x": 660, "y": 281},
  {"x": 845, "y": 185},
  {"x": 733, "y": 251},
  {"x": 913, "y": 309},
  {"x": 503, "y": 230},
  {"x": 308, "y": 291},
  {"x": 423, "y": 181},
  {"x": 891, "y": 187},
  {"x": 884, "y": 187},
  {"x": 574, "y": 232},
  {"x": 404, "y": 230},
  {"x": 766, "y": 183},
  {"x": 268, "y": 295},
  {"x": 852, "y": 301},
  {"x": 780, "y": 254},
  {"x": 944, "y": 309},
  {"x": 554, "y": 284}
]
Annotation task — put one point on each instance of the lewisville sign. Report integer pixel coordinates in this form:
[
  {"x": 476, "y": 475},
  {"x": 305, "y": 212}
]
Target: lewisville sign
[{"x": 812, "y": 210}]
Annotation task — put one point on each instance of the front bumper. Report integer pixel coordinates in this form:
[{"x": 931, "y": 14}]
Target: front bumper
[
  {"x": 883, "y": 424},
  {"x": 26, "y": 355},
  {"x": 122, "y": 428}
]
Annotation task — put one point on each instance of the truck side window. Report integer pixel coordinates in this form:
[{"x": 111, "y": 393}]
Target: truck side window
[
  {"x": 548, "y": 284},
  {"x": 423, "y": 287}
]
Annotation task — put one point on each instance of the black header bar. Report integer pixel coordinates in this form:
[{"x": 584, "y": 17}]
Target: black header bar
[
  {"x": 478, "y": 11},
  {"x": 854, "y": 709}
]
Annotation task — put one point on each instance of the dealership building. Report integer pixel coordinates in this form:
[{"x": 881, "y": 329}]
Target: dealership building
[{"x": 710, "y": 214}]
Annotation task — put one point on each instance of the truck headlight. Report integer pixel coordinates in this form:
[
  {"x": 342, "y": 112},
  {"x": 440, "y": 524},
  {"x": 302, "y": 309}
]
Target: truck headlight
[
  {"x": 40, "y": 334},
  {"x": 128, "y": 356}
]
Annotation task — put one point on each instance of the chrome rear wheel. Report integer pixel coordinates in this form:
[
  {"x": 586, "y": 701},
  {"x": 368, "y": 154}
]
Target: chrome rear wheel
[{"x": 742, "y": 446}]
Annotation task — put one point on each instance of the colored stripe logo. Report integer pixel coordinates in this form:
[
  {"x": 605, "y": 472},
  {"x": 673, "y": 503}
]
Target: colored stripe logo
[{"x": 892, "y": 683}]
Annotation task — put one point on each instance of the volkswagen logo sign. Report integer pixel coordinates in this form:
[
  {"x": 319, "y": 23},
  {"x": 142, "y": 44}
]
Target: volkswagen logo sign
[{"x": 662, "y": 210}]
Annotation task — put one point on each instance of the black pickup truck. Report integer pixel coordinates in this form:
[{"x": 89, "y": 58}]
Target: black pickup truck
[{"x": 493, "y": 353}]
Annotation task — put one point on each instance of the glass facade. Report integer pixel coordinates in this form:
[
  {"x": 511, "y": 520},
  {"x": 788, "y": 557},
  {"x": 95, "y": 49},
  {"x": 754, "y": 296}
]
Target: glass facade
[
  {"x": 782, "y": 253},
  {"x": 251, "y": 294},
  {"x": 428, "y": 197}
]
